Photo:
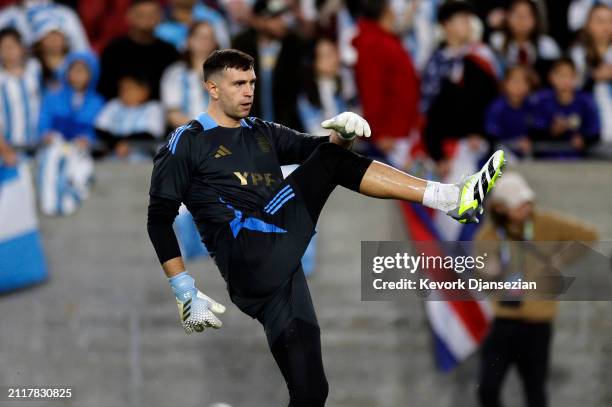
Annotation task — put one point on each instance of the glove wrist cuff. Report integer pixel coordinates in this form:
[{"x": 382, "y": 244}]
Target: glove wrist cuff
[
  {"x": 346, "y": 136},
  {"x": 182, "y": 284}
]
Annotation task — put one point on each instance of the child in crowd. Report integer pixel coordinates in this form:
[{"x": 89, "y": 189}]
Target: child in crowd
[
  {"x": 508, "y": 118},
  {"x": 132, "y": 116},
  {"x": 565, "y": 115},
  {"x": 66, "y": 126},
  {"x": 70, "y": 111},
  {"x": 19, "y": 92}
]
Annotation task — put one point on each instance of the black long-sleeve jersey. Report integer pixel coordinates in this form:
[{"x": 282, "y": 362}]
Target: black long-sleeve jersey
[{"x": 222, "y": 173}]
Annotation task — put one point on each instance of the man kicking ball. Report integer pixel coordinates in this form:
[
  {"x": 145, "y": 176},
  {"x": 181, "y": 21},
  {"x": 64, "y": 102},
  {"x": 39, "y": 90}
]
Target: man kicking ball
[{"x": 225, "y": 167}]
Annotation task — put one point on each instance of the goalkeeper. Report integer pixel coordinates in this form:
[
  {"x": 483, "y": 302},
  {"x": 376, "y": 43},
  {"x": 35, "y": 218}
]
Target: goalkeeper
[{"x": 225, "y": 167}]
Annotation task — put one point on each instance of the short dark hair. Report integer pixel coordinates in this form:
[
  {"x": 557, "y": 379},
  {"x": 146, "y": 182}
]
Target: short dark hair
[
  {"x": 451, "y": 8},
  {"x": 373, "y": 9},
  {"x": 563, "y": 61},
  {"x": 227, "y": 58},
  {"x": 10, "y": 32}
]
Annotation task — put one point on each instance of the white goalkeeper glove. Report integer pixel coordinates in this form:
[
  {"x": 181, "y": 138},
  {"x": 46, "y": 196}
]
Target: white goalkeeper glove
[
  {"x": 196, "y": 310},
  {"x": 348, "y": 125}
]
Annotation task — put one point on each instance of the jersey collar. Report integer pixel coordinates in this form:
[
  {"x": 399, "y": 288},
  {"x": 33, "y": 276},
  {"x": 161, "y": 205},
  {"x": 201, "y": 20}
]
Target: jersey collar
[{"x": 209, "y": 123}]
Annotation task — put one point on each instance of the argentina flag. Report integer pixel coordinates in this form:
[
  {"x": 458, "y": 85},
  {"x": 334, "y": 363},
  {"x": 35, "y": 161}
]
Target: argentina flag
[{"x": 22, "y": 262}]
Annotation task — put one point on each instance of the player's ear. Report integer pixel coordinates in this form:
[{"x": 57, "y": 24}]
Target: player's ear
[{"x": 212, "y": 88}]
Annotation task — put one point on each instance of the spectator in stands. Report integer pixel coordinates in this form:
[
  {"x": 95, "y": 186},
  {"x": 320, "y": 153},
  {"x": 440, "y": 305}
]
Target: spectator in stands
[
  {"x": 182, "y": 90},
  {"x": 138, "y": 53},
  {"x": 522, "y": 42},
  {"x": 19, "y": 92},
  {"x": 416, "y": 22},
  {"x": 50, "y": 48},
  {"x": 521, "y": 331},
  {"x": 279, "y": 54},
  {"x": 322, "y": 94},
  {"x": 459, "y": 83},
  {"x": 29, "y": 16},
  {"x": 131, "y": 117},
  {"x": 509, "y": 116},
  {"x": 579, "y": 11},
  {"x": 592, "y": 54},
  {"x": 386, "y": 81},
  {"x": 104, "y": 20},
  {"x": 180, "y": 14},
  {"x": 492, "y": 13},
  {"x": 563, "y": 115},
  {"x": 70, "y": 111},
  {"x": 593, "y": 58}
]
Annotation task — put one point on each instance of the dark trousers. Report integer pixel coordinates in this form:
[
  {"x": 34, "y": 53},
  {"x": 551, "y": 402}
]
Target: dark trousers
[
  {"x": 514, "y": 342},
  {"x": 264, "y": 273}
]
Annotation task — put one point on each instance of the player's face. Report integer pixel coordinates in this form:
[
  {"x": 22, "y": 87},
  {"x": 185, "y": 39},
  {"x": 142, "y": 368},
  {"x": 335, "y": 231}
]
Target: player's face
[{"x": 234, "y": 91}]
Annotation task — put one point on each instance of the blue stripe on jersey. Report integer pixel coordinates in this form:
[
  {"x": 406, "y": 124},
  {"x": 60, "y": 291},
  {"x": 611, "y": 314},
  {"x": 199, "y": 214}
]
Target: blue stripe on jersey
[
  {"x": 276, "y": 197},
  {"x": 245, "y": 123},
  {"x": 206, "y": 121},
  {"x": 26, "y": 106},
  {"x": 250, "y": 223},
  {"x": 272, "y": 206},
  {"x": 277, "y": 207},
  {"x": 175, "y": 139},
  {"x": 8, "y": 124}
]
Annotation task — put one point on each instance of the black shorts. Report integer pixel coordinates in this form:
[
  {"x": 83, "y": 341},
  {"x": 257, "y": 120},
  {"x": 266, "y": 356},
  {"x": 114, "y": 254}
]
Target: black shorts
[{"x": 259, "y": 255}]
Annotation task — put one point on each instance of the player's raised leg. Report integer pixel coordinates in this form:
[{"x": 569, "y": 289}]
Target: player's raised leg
[{"x": 461, "y": 201}]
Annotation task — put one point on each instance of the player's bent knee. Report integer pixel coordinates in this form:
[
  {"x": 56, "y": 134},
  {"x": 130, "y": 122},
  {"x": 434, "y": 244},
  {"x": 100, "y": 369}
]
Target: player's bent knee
[
  {"x": 343, "y": 166},
  {"x": 329, "y": 151}
]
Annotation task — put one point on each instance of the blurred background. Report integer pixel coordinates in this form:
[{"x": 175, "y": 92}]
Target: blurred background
[{"x": 90, "y": 89}]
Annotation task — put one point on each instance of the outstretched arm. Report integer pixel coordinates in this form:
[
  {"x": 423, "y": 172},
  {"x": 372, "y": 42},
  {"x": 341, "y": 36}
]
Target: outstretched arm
[{"x": 196, "y": 310}]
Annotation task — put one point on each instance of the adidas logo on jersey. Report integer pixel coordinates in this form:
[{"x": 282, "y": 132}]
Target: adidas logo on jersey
[{"x": 222, "y": 151}]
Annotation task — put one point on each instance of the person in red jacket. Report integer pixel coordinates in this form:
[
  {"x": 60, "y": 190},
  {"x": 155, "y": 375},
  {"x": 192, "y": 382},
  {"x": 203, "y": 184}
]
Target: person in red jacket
[{"x": 386, "y": 80}]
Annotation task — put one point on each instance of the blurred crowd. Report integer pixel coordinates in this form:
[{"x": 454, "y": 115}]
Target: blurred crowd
[{"x": 436, "y": 80}]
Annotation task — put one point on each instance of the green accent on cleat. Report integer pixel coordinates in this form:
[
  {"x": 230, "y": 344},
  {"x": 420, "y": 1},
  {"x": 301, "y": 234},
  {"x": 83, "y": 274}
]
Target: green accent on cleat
[{"x": 474, "y": 189}]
